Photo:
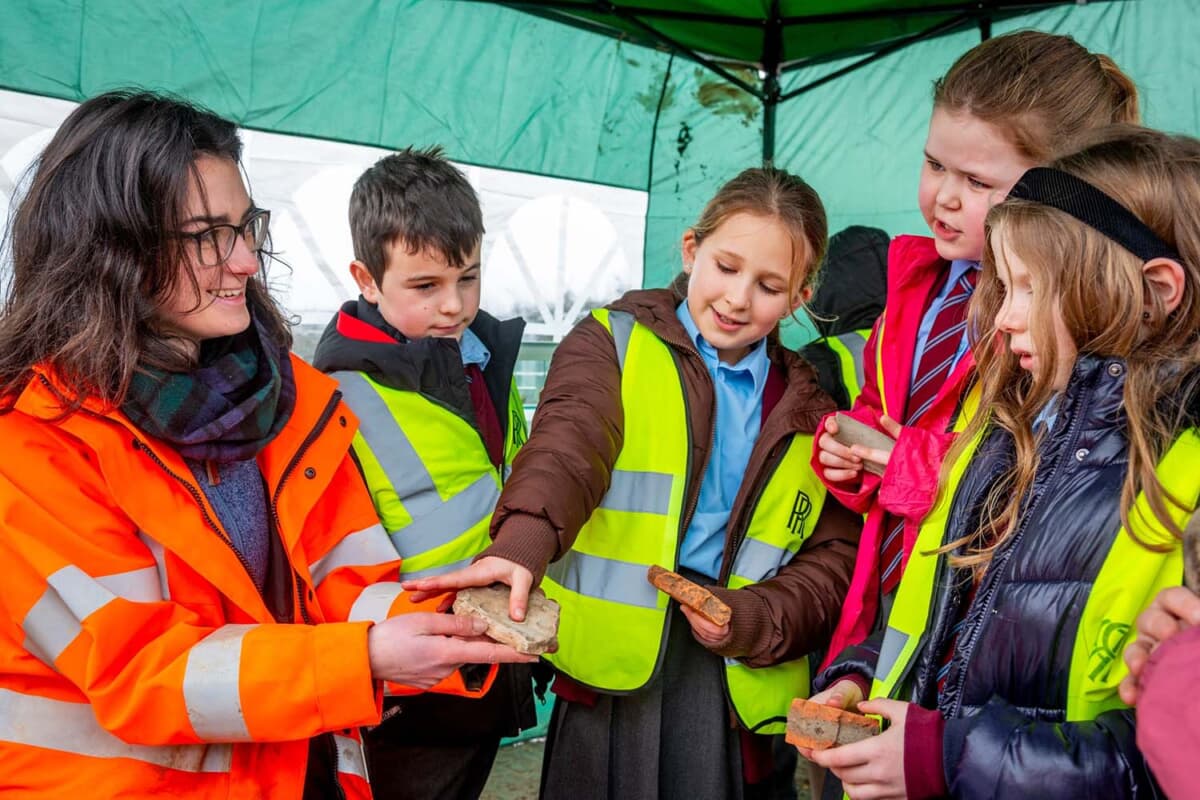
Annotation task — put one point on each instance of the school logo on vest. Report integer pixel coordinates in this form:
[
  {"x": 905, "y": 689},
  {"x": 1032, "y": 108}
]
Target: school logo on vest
[
  {"x": 517, "y": 423},
  {"x": 801, "y": 508},
  {"x": 1107, "y": 648}
]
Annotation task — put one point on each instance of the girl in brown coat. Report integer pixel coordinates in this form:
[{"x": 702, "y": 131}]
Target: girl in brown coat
[{"x": 749, "y": 262}]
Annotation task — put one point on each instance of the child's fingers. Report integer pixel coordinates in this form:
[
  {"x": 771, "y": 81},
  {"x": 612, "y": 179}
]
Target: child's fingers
[
  {"x": 1157, "y": 624},
  {"x": 844, "y": 757},
  {"x": 832, "y": 446},
  {"x": 871, "y": 454},
  {"x": 1181, "y": 602},
  {"x": 831, "y": 424},
  {"x": 841, "y": 475},
  {"x": 1128, "y": 690},
  {"x": 836, "y": 461},
  {"x": 890, "y": 426},
  {"x": 706, "y": 631}
]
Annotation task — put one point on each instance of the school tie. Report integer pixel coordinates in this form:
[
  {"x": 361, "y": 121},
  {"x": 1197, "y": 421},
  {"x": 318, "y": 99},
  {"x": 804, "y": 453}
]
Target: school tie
[{"x": 935, "y": 365}]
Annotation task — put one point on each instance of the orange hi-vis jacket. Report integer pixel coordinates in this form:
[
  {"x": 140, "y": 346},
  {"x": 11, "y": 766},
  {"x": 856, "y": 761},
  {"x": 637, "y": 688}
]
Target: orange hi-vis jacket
[{"x": 137, "y": 657}]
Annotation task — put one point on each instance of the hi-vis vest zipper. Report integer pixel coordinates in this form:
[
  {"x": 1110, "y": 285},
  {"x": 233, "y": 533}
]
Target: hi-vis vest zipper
[
  {"x": 1128, "y": 580},
  {"x": 428, "y": 472},
  {"x": 613, "y": 619}
]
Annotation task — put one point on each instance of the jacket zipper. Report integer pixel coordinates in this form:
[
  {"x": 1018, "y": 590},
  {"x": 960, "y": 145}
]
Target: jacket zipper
[
  {"x": 312, "y": 436},
  {"x": 1076, "y": 419},
  {"x": 138, "y": 444}
]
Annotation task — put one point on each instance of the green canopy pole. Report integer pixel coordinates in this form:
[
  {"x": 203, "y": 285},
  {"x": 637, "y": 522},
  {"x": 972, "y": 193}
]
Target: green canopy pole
[{"x": 772, "y": 54}]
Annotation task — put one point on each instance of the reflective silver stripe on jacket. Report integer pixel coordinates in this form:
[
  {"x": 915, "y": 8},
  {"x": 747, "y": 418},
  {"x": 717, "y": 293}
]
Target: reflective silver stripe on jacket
[
  {"x": 374, "y": 602},
  {"x": 57, "y": 617},
  {"x": 894, "y": 640},
  {"x": 621, "y": 323},
  {"x": 160, "y": 562},
  {"x": 68, "y": 727},
  {"x": 211, "y": 689},
  {"x": 434, "y": 521},
  {"x": 856, "y": 344},
  {"x": 363, "y": 548},
  {"x": 757, "y": 561},
  {"x": 644, "y": 492},
  {"x": 604, "y": 578},
  {"x": 350, "y": 756}
]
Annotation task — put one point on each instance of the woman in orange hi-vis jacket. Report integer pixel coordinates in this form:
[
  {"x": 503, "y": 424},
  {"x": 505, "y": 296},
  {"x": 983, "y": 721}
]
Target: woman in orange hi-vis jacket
[{"x": 198, "y": 600}]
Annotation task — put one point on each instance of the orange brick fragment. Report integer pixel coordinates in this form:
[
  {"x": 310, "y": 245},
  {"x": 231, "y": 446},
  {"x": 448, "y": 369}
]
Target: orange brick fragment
[
  {"x": 819, "y": 726},
  {"x": 690, "y": 594}
]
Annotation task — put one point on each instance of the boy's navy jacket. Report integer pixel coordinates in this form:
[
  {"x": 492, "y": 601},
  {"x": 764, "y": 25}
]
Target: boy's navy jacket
[
  {"x": 359, "y": 339},
  {"x": 1004, "y": 700}
]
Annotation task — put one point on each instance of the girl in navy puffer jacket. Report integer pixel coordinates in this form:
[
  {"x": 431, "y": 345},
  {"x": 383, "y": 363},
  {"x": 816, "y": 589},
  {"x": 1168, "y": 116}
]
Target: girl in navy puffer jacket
[{"x": 1062, "y": 500}]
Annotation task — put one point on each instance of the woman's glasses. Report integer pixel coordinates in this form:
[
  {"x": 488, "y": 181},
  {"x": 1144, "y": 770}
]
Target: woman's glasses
[{"x": 214, "y": 245}]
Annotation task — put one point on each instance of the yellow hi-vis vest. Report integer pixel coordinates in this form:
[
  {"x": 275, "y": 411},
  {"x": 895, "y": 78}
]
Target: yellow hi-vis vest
[
  {"x": 613, "y": 620},
  {"x": 428, "y": 472},
  {"x": 849, "y": 347},
  {"x": 1128, "y": 580}
]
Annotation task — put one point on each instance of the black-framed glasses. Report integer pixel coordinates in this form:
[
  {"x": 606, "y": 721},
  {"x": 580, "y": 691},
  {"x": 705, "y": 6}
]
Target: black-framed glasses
[{"x": 215, "y": 245}]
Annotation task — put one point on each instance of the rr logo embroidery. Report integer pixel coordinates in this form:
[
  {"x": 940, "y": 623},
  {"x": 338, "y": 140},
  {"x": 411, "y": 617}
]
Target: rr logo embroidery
[
  {"x": 1107, "y": 648},
  {"x": 801, "y": 508},
  {"x": 518, "y": 426}
]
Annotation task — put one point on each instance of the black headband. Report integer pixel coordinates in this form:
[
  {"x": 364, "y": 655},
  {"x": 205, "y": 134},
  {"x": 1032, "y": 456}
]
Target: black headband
[{"x": 1062, "y": 190}]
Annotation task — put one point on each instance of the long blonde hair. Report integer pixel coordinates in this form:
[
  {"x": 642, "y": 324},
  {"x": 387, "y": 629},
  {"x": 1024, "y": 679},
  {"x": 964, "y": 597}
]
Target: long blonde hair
[
  {"x": 1039, "y": 89},
  {"x": 1102, "y": 293}
]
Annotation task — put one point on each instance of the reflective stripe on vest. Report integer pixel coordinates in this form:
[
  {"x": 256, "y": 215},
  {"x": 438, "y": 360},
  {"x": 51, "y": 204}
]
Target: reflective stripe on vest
[
  {"x": 619, "y": 618},
  {"x": 784, "y": 516},
  {"x": 1128, "y": 580},
  {"x": 66, "y": 727},
  {"x": 849, "y": 347},
  {"x": 906, "y": 623},
  {"x": 428, "y": 473}
]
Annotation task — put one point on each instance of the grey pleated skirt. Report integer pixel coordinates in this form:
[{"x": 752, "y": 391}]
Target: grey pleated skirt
[{"x": 673, "y": 739}]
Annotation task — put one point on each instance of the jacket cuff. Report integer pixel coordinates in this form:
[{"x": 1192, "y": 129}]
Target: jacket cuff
[
  {"x": 525, "y": 539},
  {"x": 347, "y": 695},
  {"x": 750, "y": 617},
  {"x": 924, "y": 773}
]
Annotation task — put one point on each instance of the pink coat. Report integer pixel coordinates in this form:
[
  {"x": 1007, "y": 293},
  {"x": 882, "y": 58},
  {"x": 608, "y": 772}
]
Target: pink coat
[
  {"x": 908, "y": 486},
  {"x": 1168, "y": 725}
]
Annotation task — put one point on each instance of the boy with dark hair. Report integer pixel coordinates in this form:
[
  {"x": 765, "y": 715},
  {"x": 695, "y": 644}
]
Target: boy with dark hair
[{"x": 431, "y": 378}]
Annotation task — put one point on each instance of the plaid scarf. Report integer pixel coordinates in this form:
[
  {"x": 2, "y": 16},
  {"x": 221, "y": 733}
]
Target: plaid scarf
[{"x": 227, "y": 409}]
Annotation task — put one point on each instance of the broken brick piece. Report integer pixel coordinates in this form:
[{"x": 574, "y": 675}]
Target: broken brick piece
[
  {"x": 690, "y": 594},
  {"x": 819, "y": 726},
  {"x": 537, "y": 634}
]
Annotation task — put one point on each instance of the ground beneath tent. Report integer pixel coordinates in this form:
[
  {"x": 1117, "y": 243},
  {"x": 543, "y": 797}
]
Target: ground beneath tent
[{"x": 519, "y": 766}]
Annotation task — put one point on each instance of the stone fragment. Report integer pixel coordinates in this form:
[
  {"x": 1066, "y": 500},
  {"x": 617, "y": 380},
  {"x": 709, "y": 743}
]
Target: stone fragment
[{"x": 537, "y": 634}]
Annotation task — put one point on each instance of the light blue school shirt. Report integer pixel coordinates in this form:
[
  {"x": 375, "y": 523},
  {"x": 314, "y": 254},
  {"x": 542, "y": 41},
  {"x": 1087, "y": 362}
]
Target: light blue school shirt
[
  {"x": 739, "y": 400},
  {"x": 958, "y": 268},
  {"x": 473, "y": 350}
]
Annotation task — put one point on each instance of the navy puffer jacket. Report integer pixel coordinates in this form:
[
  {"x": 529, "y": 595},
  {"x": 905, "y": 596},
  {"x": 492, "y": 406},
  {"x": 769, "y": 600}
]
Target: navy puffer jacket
[{"x": 1006, "y": 691}]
